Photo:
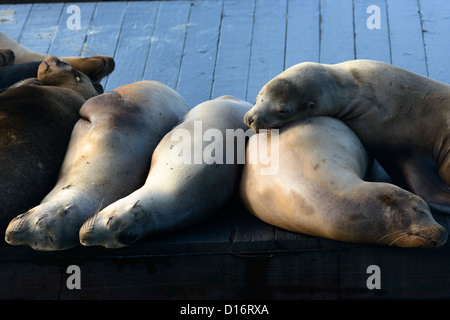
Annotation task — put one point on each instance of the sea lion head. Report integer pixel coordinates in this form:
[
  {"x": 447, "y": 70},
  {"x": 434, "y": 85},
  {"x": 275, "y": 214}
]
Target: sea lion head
[
  {"x": 55, "y": 72},
  {"x": 299, "y": 92},
  {"x": 408, "y": 221}
]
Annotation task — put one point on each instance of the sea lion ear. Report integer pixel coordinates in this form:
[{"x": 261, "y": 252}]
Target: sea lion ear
[{"x": 310, "y": 105}]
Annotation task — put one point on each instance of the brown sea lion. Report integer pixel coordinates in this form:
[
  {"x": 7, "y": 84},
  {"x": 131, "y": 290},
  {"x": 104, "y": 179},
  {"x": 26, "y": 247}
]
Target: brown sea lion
[
  {"x": 95, "y": 68},
  {"x": 36, "y": 120}
]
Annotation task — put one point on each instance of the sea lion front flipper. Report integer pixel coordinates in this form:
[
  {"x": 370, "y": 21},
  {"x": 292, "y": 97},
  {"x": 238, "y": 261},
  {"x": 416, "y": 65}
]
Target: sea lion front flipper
[{"x": 422, "y": 177}]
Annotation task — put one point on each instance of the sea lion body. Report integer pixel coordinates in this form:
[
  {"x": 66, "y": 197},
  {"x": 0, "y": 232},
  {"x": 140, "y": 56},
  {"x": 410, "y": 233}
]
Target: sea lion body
[
  {"x": 108, "y": 157},
  {"x": 318, "y": 190},
  {"x": 9, "y": 75},
  {"x": 36, "y": 120},
  {"x": 402, "y": 118},
  {"x": 176, "y": 194}
]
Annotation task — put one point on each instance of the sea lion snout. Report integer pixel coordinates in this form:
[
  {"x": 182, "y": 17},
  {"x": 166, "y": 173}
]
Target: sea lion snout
[
  {"x": 438, "y": 236},
  {"x": 430, "y": 237},
  {"x": 54, "y": 61},
  {"x": 255, "y": 122},
  {"x": 249, "y": 119},
  {"x": 51, "y": 63}
]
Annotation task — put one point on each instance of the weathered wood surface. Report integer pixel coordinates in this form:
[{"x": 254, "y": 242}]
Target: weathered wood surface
[{"x": 205, "y": 49}]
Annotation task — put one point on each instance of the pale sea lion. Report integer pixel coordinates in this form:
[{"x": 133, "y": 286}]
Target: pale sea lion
[
  {"x": 176, "y": 194},
  {"x": 108, "y": 157},
  {"x": 36, "y": 120},
  {"x": 402, "y": 118},
  {"x": 318, "y": 190}
]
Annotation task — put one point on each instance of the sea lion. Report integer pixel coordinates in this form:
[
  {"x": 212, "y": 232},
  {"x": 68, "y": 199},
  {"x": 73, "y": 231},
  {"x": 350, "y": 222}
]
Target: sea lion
[
  {"x": 177, "y": 194},
  {"x": 108, "y": 157},
  {"x": 402, "y": 118},
  {"x": 22, "y": 53},
  {"x": 36, "y": 120},
  {"x": 318, "y": 190},
  {"x": 95, "y": 68}
]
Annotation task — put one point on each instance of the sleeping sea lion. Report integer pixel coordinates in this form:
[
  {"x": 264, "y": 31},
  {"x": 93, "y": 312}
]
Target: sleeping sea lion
[
  {"x": 319, "y": 190},
  {"x": 188, "y": 181},
  {"x": 402, "y": 118},
  {"x": 108, "y": 157}
]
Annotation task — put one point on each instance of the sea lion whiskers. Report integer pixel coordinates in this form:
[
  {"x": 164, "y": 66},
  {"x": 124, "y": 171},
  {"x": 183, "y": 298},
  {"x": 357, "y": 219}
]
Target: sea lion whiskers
[
  {"x": 388, "y": 235},
  {"x": 425, "y": 241}
]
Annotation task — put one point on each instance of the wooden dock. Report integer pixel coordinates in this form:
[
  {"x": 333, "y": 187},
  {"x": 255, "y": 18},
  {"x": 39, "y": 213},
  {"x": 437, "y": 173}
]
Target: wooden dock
[{"x": 205, "y": 49}]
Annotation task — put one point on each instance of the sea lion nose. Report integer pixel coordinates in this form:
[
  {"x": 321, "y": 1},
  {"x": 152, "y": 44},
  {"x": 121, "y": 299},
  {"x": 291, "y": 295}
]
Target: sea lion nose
[{"x": 248, "y": 119}]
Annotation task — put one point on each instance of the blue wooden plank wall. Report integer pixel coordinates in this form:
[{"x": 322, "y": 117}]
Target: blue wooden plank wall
[{"x": 208, "y": 48}]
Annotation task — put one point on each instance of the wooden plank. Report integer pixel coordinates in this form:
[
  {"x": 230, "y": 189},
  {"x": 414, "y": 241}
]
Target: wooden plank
[
  {"x": 300, "y": 275},
  {"x": 407, "y": 45},
  {"x": 41, "y": 26},
  {"x": 314, "y": 274},
  {"x": 371, "y": 44},
  {"x": 215, "y": 233},
  {"x": 302, "y": 38},
  {"x": 134, "y": 43},
  {"x": 233, "y": 57},
  {"x": 251, "y": 234},
  {"x": 13, "y": 18},
  {"x": 104, "y": 31},
  {"x": 199, "y": 56},
  {"x": 31, "y": 280},
  {"x": 69, "y": 42},
  {"x": 287, "y": 240},
  {"x": 267, "y": 55},
  {"x": 336, "y": 31},
  {"x": 166, "y": 50},
  {"x": 402, "y": 277},
  {"x": 435, "y": 24}
]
